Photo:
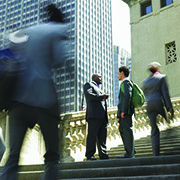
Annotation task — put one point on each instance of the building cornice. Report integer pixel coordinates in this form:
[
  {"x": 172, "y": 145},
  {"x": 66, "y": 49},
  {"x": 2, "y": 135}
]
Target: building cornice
[
  {"x": 126, "y": 1},
  {"x": 154, "y": 13}
]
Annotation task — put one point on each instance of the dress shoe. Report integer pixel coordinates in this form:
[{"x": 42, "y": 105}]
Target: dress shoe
[
  {"x": 122, "y": 156},
  {"x": 92, "y": 158},
  {"x": 105, "y": 158}
]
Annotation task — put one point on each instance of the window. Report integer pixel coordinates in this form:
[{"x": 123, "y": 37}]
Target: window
[
  {"x": 67, "y": 108},
  {"x": 72, "y": 107},
  {"x": 166, "y": 2},
  {"x": 171, "y": 55},
  {"x": 146, "y": 8}
]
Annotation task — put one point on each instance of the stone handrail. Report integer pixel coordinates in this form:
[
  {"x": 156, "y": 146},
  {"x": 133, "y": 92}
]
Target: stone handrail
[
  {"x": 74, "y": 127},
  {"x": 73, "y": 131}
]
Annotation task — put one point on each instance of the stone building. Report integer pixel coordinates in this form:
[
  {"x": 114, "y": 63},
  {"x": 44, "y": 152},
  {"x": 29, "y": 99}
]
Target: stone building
[{"x": 155, "y": 33}]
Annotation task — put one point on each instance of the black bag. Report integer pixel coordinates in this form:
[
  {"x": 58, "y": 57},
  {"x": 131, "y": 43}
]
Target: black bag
[{"x": 10, "y": 70}]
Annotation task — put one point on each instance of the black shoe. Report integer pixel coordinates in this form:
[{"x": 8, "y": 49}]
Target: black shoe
[
  {"x": 105, "y": 158},
  {"x": 122, "y": 156},
  {"x": 92, "y": 158}
]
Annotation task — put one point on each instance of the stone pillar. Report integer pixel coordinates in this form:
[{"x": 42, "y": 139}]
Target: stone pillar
[{"x": 64, "y": 151}]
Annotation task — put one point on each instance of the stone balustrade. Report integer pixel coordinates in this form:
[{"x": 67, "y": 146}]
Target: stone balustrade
[{"x": 73, "y": 131}]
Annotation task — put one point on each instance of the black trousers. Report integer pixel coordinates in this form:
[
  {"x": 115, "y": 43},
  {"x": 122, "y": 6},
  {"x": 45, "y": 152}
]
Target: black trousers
[
  {"x": 22, "y": 117},
  {"x": 126, "y": 132},
  {"x": 97, "y": 134}
]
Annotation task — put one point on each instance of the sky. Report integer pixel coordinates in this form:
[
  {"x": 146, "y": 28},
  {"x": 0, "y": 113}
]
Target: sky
[{"x": 120, "y": 24}]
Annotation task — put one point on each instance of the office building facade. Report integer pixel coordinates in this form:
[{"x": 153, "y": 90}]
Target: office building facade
[{"x": 90, "y": 43}]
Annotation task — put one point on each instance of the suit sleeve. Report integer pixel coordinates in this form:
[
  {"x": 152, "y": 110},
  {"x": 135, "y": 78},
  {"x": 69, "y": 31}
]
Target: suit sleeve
[
  {"x": 119, "y": 110},
  {"x": 60, "y": 47},
  {"x": 90, "y": 96},
  {"x": 127, "y": 97},
  {"x": 165, "y": 93}
]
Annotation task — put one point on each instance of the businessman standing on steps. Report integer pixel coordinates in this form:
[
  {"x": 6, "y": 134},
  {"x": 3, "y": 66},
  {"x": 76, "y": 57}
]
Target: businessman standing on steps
[
  {"x": 97, "y": 118},
  {"x": 125, "y": 112}
]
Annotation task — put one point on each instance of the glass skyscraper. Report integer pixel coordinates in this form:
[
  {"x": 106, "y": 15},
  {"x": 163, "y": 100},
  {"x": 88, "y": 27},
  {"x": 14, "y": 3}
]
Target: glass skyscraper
[
  {"x": 91, "y": 42},
  {"x": 121, "y": 58}
]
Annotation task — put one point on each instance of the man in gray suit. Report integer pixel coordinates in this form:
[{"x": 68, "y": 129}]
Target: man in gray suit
[
  {"x": 96, "y": 116},
  {"x": 158, "y": 102},
  {"x": 35, "y": 98}
]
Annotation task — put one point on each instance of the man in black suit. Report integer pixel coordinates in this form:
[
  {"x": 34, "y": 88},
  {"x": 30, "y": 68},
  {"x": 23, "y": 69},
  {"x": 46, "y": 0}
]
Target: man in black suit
[
  {"x": 125, "y": 112},
  {"x": 96, "y": 116}
]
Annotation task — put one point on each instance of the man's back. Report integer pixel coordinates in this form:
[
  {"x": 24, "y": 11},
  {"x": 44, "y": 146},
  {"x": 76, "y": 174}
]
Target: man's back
[
  {"x": 46, "y": 47},
  {"x": 152, "y": 87},
  {"x": 155, "y": 89}
]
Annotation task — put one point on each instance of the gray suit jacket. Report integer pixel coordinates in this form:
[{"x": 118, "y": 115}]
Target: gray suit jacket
[
  {"x": 124, "y": 104},
  {"x": 96, "y": 106},
  {"x": 47, "y": 47},
  {"x": 155, "y": 89}
]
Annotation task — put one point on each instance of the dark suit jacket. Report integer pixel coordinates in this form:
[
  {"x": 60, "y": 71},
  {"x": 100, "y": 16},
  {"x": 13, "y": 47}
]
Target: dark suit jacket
[
  {"x": 156, "y": 90},
  {"x": 124, "y": 104},
  {"x": 96, "y": 107},
  {"x": 47, "y": 47}
]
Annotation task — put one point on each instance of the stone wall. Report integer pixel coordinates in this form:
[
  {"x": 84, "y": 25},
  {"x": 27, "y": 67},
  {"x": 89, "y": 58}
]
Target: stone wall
[{"x": 150, "y": 34}]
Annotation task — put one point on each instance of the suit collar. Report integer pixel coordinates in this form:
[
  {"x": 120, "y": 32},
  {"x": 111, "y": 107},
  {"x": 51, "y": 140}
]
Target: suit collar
[{"x": 95, "y": 84}]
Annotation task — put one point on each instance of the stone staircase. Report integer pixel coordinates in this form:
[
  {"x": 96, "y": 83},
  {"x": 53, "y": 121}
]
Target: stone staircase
[
  {"x": 150, "y": 168},
  {"x": 143, "y": 167},
  {"x": 169, "y": 145}
]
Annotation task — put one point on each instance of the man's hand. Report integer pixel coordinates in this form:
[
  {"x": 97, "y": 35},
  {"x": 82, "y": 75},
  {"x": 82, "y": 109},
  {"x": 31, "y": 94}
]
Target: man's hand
[
  {"x": 123, "y": 115},
  {"x": 105, "y": 96}
]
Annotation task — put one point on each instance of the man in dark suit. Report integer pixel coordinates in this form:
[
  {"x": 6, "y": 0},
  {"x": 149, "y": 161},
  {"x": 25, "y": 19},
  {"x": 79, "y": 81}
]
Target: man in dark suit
[
  {"x": 35, "y": 98},
  {"x": 158, "y": 102},
  {"x": 125, "y": 112},
  {"x": 97, "y": 118}
]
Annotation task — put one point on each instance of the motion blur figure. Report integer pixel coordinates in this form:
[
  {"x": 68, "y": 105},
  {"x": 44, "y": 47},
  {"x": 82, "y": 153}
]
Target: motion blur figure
[
  {"x": 2, "y": 145},
  {"x": 158, "y": 102},
  {"x": 35, "y": 99}
]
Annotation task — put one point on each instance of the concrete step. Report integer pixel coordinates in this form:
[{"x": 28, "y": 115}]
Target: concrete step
[
  {"x": 169, "y": 145},
  {"x": 119, "y": 168},
  {"x": 147, "y": 142},
  {"x": 173, "y": 145},
  {"x": 122, "y": 162},
  {"x": 144, "y": 166},
  {"x": 148, "y": 148},
  {"x": 153, "y": 177},
  {"x": 144, "y": 170}
]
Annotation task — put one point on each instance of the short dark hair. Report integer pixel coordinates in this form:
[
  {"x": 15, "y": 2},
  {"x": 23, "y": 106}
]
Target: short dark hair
[
  {"x": 125, "y": 69},
  {"x": 54, "y": 13},
  {"x": 152, "y": 69}
]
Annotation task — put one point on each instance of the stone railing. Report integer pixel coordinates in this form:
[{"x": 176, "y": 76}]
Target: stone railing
[{"x": 73, "y": 131}]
